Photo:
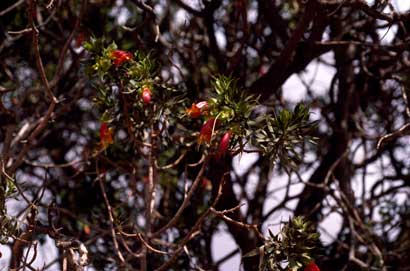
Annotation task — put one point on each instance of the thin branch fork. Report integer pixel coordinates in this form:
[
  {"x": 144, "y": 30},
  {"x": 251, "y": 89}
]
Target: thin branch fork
[
  {"x": 39, "y": 62},
  {"x": 227, "y": 219},
  {"x": 186, "y": 201},
  {"x": 193, "y": 231},
  {"x": 149, "y": 246},
  {"x": 43, "y": 120},
  {"x": 110, "y": 216}
]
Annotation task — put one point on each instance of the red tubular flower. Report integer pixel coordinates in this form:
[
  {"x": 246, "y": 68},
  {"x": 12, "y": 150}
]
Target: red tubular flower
[
  {"x": 311, "y": 267},
  {"x": 146, "y": 95},
  {"x": 105, "y": 135},
  {"x": 224, "y": 144},
  {"x": 203, "y": 106},
  {"x": 193, "y": 112},
  {"x": 205, "y": 134},
  {"x": 206, "y": 184},
  {"x": 87, "y": 229},
  {"x": 118, "y": 57},
  {"x": 79, "y": 39},
  {"x": 198, "y": 109}
]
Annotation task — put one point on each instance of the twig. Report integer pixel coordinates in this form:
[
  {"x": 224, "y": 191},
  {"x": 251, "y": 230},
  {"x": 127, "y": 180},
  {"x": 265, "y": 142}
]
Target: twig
[
  {"x": 199, "y": 162},
  {"x": 39, "y": 62},
  {"x": 10, "y": 8},
  {"x": 192, "y": 232},
  {"x": 43, "y": 120},
  {"x": 147, "y": 8},
  {"x": 111, "y": 218},
  {"x": 63, "y": 53},
  {"x": 173, "y": 164},
  {"x": 404, "y": 130},
  {"x": 186, "y": 201},
  {"x": 150, "y": 247},
  {"x": 227, "y": 219}
]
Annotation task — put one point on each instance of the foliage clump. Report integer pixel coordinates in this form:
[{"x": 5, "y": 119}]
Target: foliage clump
[{"x": 294, "y": 247}]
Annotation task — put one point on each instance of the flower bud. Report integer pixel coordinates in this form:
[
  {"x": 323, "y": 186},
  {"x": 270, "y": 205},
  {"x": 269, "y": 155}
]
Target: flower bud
[
  {"x": 79, "y": 40},
  {"x": 146, "y": 95},
  {"x": 105, "y": 135},
  {"x": 311, "y": 267},
  {"x": 224, "y": 144},
  {"x": 86, "y": 229}
]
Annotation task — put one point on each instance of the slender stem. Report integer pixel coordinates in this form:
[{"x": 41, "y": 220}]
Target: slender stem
[
  {"x": 111, "y": 217},
  {"x": 186, "y": 201},
  {"x": 194, "y": 230},
  {"x": 150, "y": 191}
]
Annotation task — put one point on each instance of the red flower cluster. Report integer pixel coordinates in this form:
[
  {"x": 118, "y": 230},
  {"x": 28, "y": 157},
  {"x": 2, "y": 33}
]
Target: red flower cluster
[
  {"x": 202, "y": 109},
  {"x": 118, "y": 57},
  {"x": 311, "y": 267},
  {"x": 198, "y": 109},
  {"x": 105, "y": 135}
]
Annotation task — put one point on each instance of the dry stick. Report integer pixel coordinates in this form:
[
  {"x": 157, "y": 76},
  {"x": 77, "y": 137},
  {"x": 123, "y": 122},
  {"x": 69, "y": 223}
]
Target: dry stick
[
  {"x": 403, "y": 93},
  {"x": 43, "y": 120},
  {"x": 403, "y": 131},
  {"x": 34, "y": 253},
  {"x": 124, "y": 243},
  {"x": 355, "y": 218},
  {"x": 147, "y": 8},
  {"x": 39, "y": 62},
  {"x": 196, "y": 13},
  {"x": 150, "y": 193},
  {"x": 291, "y": 45},
  {"x": 173, "y": 164},
  {"x": 26, "y": 256},
  {"x": 150, "y": 247},
  {"x": 18, "y": 248},
  {"x": 192, "y": 232},
  {"x": 10, "y": 8},
  {"x": 362, "y": 5},
  {"x": 199, "y": 162},
  {"x": 152, "y": 177},
  {"x": 63, "y": 53},
  {"x": 227, "y": 257},
  {"x": 110, "y": 216},
  {"x": 186, "y": 201},
  {"x": 7, "y": 144},
  {"x": 335, "y": 164},
  {"x": 240, "y": 224},
  {"x": 50, "y": 4},
  {"x": 352, "y": 256},
  {"x": 372, "y": 246}
]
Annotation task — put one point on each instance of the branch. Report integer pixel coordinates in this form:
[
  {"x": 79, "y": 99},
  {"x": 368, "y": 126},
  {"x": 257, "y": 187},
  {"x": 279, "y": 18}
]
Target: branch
[
  {"x": 186, "y": 201},
  {"x": 267, "y": 84},
  {"x": 191, "y": 233},
  {"x": 110, "y": 216}
]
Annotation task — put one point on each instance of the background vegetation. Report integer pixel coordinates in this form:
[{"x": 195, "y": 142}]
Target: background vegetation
[{"x": 120, "y": 182}]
